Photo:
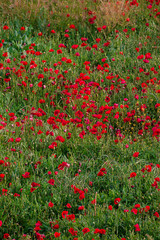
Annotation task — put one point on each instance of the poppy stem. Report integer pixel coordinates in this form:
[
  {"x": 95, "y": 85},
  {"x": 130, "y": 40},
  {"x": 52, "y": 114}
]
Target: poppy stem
[{"x": 95, "y": 204}]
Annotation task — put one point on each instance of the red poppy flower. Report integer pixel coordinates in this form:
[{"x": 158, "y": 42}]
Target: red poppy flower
[
  {"x": 100, "y": 173},
  {"x": 26, "y": 175},
  {"x": 53, "y": 145},
  {"x": 148, "y": 168},
  {"x": 41, "y": 101},
  {"x": 34, "y": 184},
  {"x": 40, "y": 84},
  {"x": 85, "y": 230},
  {"x": 40, "y": 76},
  {"x": 50, "y": 204},
  {"x": 56, "y": 226},
  {"x": 5, "y": 27},
  {"x": 63, "y": 165},
  {"x": 64, "y": 214},
  {"x": 156, "y": 214},
  {"x": 60, "y": 138},
  {"x": 2, "y": 176},
  {"x": 133, "y": 174},
  {"x": 51, "y": 181},
  {"x": 134, "y": 210},
  {"x": 68, "y": 205},
  {"x": 107, "y": 99},
  {"x": 117, "y": 200},
  {"x": 81, "y": 196},
  {"x": 71, "y": 230},
  {"x": 136, "y": 154},
  {"x": 75, "y": 46},
  {"x": 16, "y": 195},
  {"x": 96, "y": 230},
  {"x": 102, "y": 231},
  {"x": 5, "y": 54},
  {"x": 137, "y": 206},
  {"x": 147, "y": 208},
  {"x": 72, "y": 26},
  {"x": 57, "y": 234},
  {"x": 81, "y": 208},
  {"x": 137, "y": 228},
  {"x": 32, "y": 189},
  {"x": 39, "y": 132},
  {"x": 70, "y": 217},
  {"x": 59, "y": 51},
  {"x": 110, "y": 207},
  {"x": 93, "y": 201},
  {"x": 6, "y": 236}
]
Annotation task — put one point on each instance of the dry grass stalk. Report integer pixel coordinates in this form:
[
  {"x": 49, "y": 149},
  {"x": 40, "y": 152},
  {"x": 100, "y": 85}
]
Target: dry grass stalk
[
  {"x": 30, "y": 9},
  {"x": 112, "y": 12},
  {"x": 149, "y": 237}
]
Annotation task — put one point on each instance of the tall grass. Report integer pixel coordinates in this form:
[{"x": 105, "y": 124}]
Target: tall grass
[
  {"x": 62, "y": 13},
  {"x": 82, "y": 113}
]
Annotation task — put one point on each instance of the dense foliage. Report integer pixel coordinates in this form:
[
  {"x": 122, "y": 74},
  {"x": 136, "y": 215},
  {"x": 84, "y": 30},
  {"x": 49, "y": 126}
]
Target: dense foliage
[{"x": 80, "y": 120}]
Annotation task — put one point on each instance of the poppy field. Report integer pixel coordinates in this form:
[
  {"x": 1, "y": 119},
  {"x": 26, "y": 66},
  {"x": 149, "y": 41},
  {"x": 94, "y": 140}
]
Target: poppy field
[{"x": 80, "y": 120}]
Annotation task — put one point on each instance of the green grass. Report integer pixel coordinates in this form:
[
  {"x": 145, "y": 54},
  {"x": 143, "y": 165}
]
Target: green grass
[{"x": 100, "y": 135}]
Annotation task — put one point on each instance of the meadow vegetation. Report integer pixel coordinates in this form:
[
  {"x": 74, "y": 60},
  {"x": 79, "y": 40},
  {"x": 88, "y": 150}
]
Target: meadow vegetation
[{"x": 80, "y": 119}]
